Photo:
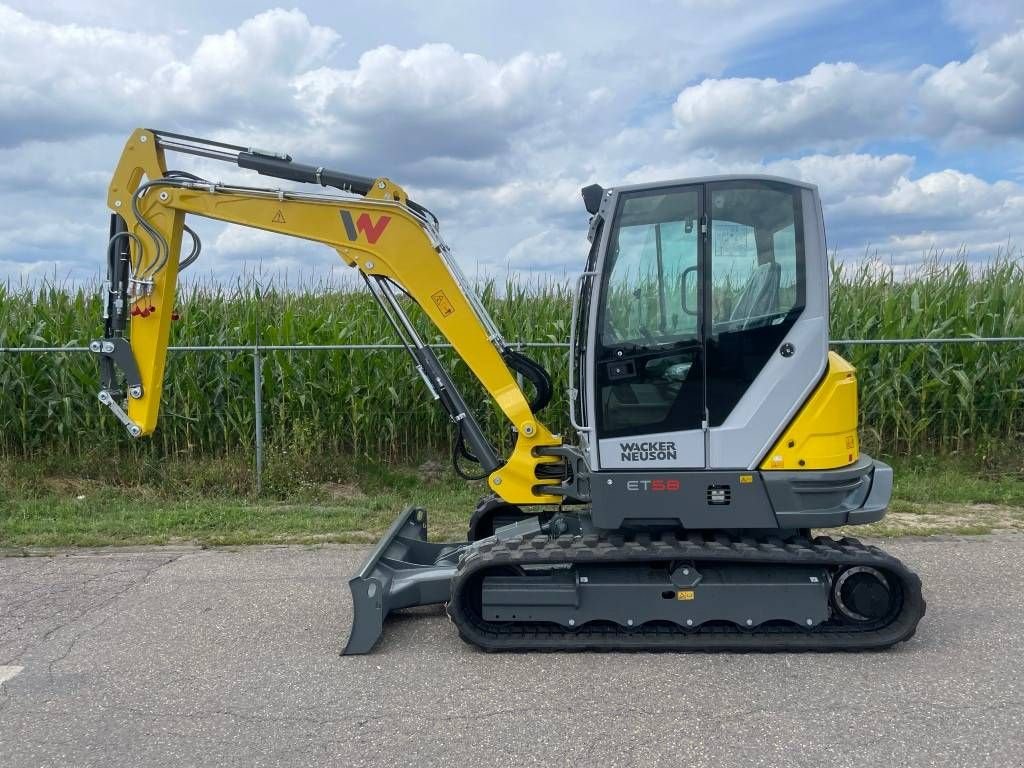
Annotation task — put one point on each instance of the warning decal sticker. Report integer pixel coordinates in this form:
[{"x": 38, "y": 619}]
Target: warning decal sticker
[{"x": 443, "y": 305}]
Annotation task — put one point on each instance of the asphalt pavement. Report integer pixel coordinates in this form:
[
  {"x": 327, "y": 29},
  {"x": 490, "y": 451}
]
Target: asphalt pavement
[{"x": 181, "y": 657}]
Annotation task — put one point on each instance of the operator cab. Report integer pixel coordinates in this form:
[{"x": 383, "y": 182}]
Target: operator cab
[{"x": 702, "y": 323}]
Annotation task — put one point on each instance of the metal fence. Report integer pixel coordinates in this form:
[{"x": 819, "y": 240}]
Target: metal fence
[{"x": 259, "y": 350}]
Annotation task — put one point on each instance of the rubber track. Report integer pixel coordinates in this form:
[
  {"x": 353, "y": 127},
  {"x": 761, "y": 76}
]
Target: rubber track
[{"x": 833, "y": 635}]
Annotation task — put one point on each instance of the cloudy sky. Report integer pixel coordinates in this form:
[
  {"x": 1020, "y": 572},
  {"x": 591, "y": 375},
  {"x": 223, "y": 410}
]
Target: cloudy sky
[{"x": 909, "y": 115}]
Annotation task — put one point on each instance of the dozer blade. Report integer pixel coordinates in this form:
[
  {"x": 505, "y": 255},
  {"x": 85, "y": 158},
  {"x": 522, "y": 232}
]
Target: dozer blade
[{"x": 402, "y": 571}]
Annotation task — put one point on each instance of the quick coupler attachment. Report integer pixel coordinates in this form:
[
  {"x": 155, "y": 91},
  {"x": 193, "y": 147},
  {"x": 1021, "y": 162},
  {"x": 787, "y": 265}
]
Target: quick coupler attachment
[{"x": 404, "y": 570}]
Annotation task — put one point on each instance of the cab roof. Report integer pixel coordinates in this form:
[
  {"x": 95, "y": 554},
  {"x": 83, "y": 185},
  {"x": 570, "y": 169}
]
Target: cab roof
[{"x": 708, "y": 179}]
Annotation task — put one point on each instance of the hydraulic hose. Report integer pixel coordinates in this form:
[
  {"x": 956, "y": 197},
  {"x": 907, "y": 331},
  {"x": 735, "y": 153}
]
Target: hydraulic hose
[{"x": 535, "y": 373}]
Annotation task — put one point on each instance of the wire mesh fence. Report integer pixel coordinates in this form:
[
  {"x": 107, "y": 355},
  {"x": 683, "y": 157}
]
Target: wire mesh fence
[{"x": 958, "y": 418}]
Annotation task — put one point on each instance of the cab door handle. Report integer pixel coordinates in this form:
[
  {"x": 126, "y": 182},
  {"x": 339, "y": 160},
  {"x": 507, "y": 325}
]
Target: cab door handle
[{"x": 682, "y": 290}]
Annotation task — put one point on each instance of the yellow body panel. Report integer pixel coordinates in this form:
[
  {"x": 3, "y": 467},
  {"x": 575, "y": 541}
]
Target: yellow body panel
[
  {"x": 402, "y": 250},
  {"x": 824, "y": 433}
]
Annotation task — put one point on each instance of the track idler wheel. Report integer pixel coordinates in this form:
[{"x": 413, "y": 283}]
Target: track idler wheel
[{"x": 862, "y": 594}]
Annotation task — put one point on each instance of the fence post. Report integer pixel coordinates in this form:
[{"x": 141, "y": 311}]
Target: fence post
[{"x": 257, "y": 392}]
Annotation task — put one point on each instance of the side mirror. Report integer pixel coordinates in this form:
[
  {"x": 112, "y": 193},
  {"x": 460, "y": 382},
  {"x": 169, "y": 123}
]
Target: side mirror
[{"x": 592, "y": 198}]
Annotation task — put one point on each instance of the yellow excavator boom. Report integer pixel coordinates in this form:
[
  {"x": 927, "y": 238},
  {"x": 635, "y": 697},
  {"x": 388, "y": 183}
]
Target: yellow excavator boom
[{"x": 394, "y": 243}]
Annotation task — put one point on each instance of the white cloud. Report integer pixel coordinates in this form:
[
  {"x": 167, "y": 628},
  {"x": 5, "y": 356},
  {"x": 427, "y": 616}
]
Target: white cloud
[
  {"x": 878, "y": 201},
  {"x": 70, "y": 93},
  {"x": 432, "y": 101},
  {"x": 944, "y": 210},
  {"x": 552, "y": 251},
  {"x": 832, "y": 106},
  {"x": 843, "y": 106},
  {"x": 987, "y": 20},
  {"x": 838, "y": 176},
  {"x": 939, "y": 196},
  {"x": 979, "y": 96},
  {"x": 272, "y": 71},
  {"x": 61, "y": 80},
  {"x": 842, "y": 176},
  {"x": 494, "y": 130},
  {"x": 66, "y": 80},
  {"x": 36, "y": 244},
  {"x": 267, "y": 257},
  {"x": 244, "y": 71},
  {"x": 56, "y": 169},
  {"x": 554, "y": 195}
]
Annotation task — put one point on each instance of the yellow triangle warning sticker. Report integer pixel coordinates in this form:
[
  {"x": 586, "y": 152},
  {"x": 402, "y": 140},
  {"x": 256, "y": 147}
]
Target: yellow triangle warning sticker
[{"x": 279, "y": 218}]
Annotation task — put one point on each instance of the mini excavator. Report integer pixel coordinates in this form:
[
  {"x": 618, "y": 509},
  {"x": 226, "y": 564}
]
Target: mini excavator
[{"x": 714, "y": 428}]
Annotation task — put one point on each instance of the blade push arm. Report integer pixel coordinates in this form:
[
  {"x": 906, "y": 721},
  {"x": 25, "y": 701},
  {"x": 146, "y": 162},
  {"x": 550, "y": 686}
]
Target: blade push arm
[{"x": 391, "y": 241}]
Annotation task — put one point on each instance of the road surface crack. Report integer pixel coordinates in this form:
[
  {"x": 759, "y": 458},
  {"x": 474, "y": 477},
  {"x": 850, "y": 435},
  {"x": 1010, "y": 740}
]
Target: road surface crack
[{"x": 92, "y": 609}]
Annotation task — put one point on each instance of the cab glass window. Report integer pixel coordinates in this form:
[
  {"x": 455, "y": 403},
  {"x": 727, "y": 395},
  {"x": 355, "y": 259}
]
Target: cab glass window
[{"x": 756, "y": 272}]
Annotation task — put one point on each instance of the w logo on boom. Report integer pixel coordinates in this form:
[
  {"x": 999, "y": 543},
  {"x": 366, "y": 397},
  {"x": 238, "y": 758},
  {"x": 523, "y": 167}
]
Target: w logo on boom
[{"x": 364, "y": 225}]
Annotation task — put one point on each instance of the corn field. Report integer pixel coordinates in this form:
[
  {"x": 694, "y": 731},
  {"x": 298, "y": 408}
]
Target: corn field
[{"x": 914, "y": 399}]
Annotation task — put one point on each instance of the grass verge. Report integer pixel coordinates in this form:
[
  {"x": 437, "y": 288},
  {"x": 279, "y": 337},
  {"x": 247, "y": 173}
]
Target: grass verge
[{"x": 50, "y": 502}]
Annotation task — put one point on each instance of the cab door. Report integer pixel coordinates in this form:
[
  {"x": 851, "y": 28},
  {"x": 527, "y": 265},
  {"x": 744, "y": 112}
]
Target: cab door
[{"x": 648, "y": 359}]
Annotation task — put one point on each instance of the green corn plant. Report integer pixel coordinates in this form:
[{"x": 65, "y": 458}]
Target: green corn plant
[{"x": 371, "y": 403}]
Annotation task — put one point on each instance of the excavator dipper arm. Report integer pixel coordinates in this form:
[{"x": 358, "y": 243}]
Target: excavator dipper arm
[{"x": 392, "y": 241}]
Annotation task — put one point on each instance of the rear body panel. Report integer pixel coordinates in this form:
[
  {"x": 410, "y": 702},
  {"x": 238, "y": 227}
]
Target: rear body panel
[{"x": 742, "y": 499}]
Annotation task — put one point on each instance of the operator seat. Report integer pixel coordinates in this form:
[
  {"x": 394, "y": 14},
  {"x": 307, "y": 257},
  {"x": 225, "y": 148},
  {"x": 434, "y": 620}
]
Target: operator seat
[{"x": 760, "y": 295}]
